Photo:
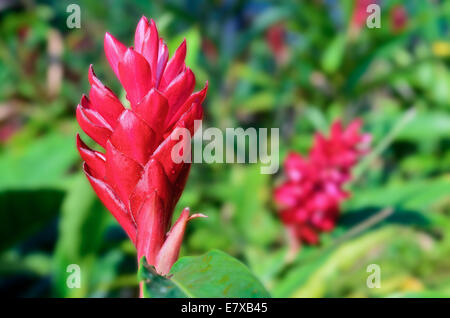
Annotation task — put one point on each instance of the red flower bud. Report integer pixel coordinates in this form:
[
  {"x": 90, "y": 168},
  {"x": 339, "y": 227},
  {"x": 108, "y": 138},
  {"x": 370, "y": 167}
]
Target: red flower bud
[{"x": 136, "y": 178}]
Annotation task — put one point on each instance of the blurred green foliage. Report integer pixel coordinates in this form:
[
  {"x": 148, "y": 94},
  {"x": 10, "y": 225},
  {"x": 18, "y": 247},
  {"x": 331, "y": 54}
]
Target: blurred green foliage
[{"x": 396, "y": 79}]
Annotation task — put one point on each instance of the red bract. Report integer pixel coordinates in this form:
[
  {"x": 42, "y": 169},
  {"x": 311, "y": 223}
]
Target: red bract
[
  {"x": 136, "y": 178},
  {"x": 310, "y": 196}
]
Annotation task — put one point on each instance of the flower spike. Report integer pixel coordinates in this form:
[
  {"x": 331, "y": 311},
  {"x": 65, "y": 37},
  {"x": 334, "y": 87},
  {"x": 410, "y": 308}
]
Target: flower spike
[{"x": 135, "y": 177}]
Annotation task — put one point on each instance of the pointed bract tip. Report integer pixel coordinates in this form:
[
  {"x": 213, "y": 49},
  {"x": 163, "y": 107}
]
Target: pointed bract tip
[
  {"x": 91, "y": 75},
  {"x": 86, "y": 170},
  {"x": 153, "y": 28},
  {"x": 108, "y": 37},
  {"x": 80, "y": 143},
  {"x": 84, "y": 102},
  {"x": 186, "y": 210},
  {"x": 206, "y": 86},
  {"x": 143, "y": 19},
  {"x": 197, "y": 215},
  {"x": 128, "y": 53},
  {"x": 182, "y": 49},
  {"x": 110, "y": 42}
]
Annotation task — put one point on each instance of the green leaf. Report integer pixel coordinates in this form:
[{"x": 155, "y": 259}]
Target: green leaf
[
  {"x": 214, "y": 274},
  {"x": 82, "y": 225},
  {"x": 155, "y": 285},
  {"x": 249, "y": 193},
  {"x": 41, "y": 163},
  {"x": 299, "y": 275},
  {"x": 258, "y": 102},
  {"x": 385, "y": 142},
  {"x": 334, "y": 54},
  {"x": 311, "y": 278},
  {"x": 35, "y": 264},
  {"x": 23, "y": 212},
  {"x": 426, "y": 127},
  {"x": 266, "y": 264},
  {"x": 415, "y": 196}
]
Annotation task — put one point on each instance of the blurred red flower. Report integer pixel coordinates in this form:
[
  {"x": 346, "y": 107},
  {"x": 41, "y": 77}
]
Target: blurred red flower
[
  {"x": 398, "y": 18},
  {"x": 136, "y": 178},
  {"x": 276, "y": 40},
  {"x": 360, "y": 14},
  {"x": 310, "y": 196}
]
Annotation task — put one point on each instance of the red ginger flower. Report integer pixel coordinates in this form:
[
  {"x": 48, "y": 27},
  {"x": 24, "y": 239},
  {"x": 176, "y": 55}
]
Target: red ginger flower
[
  {"x": 136, "y": 178},
  {"x": 311, "y": 195}
]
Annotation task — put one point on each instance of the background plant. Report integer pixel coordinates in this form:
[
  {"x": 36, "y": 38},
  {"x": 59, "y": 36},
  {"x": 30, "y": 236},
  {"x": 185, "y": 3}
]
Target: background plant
[{"x": 396, "y": 80}]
